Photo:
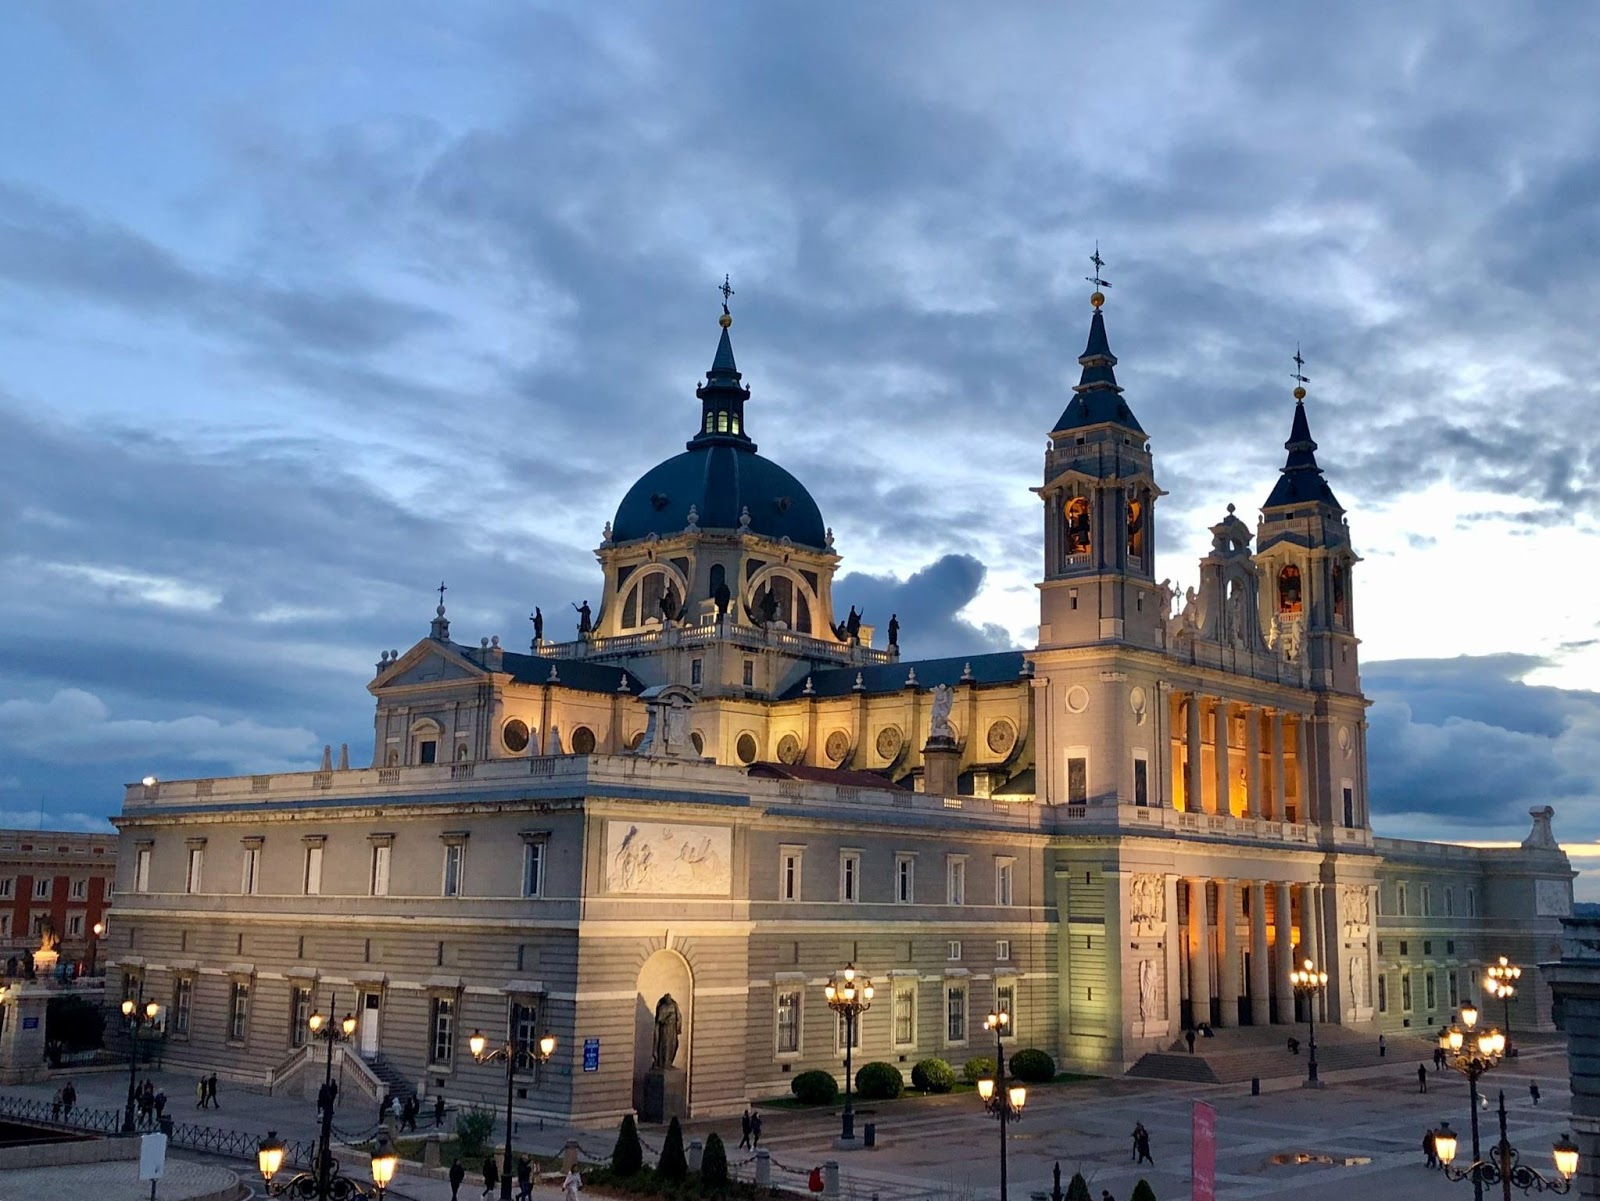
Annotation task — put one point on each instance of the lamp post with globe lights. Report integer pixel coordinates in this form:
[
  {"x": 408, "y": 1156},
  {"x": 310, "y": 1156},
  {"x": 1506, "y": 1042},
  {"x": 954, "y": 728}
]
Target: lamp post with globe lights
[
  {"x": 849, "y": 994},
  {"x": 1003, "y": 1103},
  {"x": 1505, "y": 1166},
  {"x": 1472, "y": 1052},
  {"x": 328, "y": 1033},
  {"x": 1308, "y": 980},
  {"x": 1500, "y": 980},
  {"x": 515, "y": 1052},
  {"x": 136, "y": 1015},
  {"x": 314, "y": 1186}
]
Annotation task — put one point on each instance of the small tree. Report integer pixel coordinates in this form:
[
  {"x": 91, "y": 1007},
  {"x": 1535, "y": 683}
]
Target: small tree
[
  {"x": 474, "y": 1129},
  {"x": 1078, "y": 1188},
  {"x": 627, "y": 1157},
  {"x": 879, "y": 1081},
  {"x": 673, "y": 1164},
  {"x": 1142, "y": 1192},
  {"x": 714, "y": 1163}
]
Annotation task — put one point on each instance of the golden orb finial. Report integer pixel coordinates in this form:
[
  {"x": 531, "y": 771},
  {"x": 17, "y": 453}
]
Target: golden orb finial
[
  {"x": 1097, "y": 299},
  {"x": 1299, "y": 393},
  {"x": 725, "y": 320}
]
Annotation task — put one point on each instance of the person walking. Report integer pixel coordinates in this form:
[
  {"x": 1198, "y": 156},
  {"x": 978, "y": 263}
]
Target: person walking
[
  {"x": 55, "y": 1107},
  {"x": 69, "y": 1098},
  {"x": 1143, "y": 1147},
  {"x": 457, "y": 1175},
  {"x": 1438, "y": 1059},
  {"x": 571, "y": 1186},
  {"x": 1138, "y": 1131},
  {"x": 744, "y": 1131},
  {"x": 524, "y": 1179},
  {"x": 491, "y": 1176},
  {"x": 1188, "y": 1037},
  {"x": 1533, "y": 1090},
  {"x": 1422, "y": 1077},
  {"x": 211, "y": 1091},
  {"x": 438, "y": 1111},
  {"x": 1383, "y": 1046},
  {"x": 1430, "y": 1149},
  {"x": 200, "y": 1093},
  {"x": 161, "y": 1104},
  {"x": 755, "y": 1129}
]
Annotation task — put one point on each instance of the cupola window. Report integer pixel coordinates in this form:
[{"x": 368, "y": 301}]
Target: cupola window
[
  {"x": 1289, "y": 590},
  {"x": 1136, "y": 526},
  {"x": 1338, "y": 593},
  {"x": 1077, "y": 519}
]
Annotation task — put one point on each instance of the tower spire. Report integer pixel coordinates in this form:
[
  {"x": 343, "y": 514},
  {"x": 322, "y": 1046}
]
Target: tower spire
[
  {"x": 1301, "y": 478},
  {"x": 722, "y": 396},
  {"x": 1097, "y": 398}
]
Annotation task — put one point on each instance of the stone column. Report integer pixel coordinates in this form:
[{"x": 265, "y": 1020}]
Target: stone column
[
  {"x": 1228, "y": 951},
  {"x": 1193, "y": 788},
  {"x": 1327, "y": 957},
  {"x": 1277, "y": 765},
  {"x": 1310, "y": 944},
  {"x": 1219, "y": 756},
  {"x": 1302, "y": 771},
  {"x": 1252, "y": 760},
  {"x": 1260, "y": 977},
  {"x": 1199, "y": 953},
  {"x": 1283, "y": 932}
]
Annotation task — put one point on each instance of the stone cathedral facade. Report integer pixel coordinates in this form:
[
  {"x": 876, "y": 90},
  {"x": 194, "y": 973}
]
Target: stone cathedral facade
[{"x": 723, "y": 789}]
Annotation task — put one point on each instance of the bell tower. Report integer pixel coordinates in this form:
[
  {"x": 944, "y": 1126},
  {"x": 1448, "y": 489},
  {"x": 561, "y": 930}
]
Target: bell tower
[
  {"x": 1099, "y": 497},
  {"x": 1305, "y": 558}
]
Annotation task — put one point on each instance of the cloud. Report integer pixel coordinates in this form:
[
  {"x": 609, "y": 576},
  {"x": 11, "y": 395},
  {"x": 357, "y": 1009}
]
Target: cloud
[{"x": 929, "y": 605}]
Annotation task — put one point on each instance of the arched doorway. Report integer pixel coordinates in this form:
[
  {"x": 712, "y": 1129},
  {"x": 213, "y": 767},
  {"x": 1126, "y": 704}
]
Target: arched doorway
[{"x": 661, "y": 1090}]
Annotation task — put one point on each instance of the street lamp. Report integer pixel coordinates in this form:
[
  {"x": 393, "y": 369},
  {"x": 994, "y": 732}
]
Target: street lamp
[
  {"x": 1472, "y": 1052},
  {"x": 515, "y": 1049},
  {"x": 1308, "y": 981},
  {"x": 1004, "y": 1104},
  {"x": 136, "y": 1014},
  {"x": 1500, "y": 980},
  {"x": 849, "y": 994},
  {"x": 98, "y": 930},
  {"x": 329, "y": 1034},
  {"x": 1505, "y": 1167},
  {"x": 305, "y": 1186}
]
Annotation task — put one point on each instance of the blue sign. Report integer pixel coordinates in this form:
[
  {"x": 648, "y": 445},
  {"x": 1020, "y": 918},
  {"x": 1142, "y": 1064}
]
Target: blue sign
[
  {"x": 591, "y": 1054},
  {"x": 33, "y": 1024}
]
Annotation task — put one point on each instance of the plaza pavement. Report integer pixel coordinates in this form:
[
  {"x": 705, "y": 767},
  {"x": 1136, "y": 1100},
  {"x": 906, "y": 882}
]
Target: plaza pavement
[{"x": 946, "y": 1148}]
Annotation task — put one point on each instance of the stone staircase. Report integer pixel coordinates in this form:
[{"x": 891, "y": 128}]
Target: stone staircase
[
  {"x": 1237, "y": 1055},
  {"x": 393, "y": 1079}
]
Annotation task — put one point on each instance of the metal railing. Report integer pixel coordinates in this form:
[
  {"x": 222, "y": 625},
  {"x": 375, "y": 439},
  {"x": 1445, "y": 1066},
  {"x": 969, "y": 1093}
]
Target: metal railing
[{"x": 237, "y": 1144}]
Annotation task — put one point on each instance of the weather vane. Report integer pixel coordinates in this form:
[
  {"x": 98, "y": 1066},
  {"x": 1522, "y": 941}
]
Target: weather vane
[
  {"x": 1299, "y": 377},
  {"x": 727, "y": 291},
  {"x": 1099, "y": 297}
]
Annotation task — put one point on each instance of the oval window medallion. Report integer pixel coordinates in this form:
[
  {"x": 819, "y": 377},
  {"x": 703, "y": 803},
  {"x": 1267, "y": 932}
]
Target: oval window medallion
[
  {"x": 1077, "y": 698},
  {"x": 746, "y": 748},
  {"x": 788, "y": 749},
  {"x": 837, "y": 746},
  {"x": 888, "y": 742},
  {"x": 514, "y": 735},
  {"x": 1002, "y": 737},
  {"x": 583, "y": 741},
  {"x": 1344, "y": 739},
  {"x": 1136, "y": 699}
]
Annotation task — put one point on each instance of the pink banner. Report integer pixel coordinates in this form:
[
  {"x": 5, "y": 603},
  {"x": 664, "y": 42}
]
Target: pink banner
[{"x": 1203, "y": 1153}]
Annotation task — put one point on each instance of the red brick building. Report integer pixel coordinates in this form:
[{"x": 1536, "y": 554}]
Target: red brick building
[{"x": 61, "y": 876}]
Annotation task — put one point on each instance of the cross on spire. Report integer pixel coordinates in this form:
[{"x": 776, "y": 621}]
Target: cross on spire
[
  {"x": 441, "y": 594},
  {"x": 726, "y": 291},
  {"x": 1300, "y": 378},
  {"x": 1098, "y": 262}
]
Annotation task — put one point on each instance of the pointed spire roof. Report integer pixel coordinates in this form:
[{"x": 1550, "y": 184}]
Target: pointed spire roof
[
  {"x": 722, "y": 396},
  {"x": 1097, "y": 398},
  {"x": 1301, "y": 479}
]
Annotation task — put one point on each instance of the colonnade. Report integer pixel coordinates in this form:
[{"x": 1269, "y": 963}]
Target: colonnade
[
  {"x": 1242, "y": 781},
  {"x": 1212, "y": 975}
]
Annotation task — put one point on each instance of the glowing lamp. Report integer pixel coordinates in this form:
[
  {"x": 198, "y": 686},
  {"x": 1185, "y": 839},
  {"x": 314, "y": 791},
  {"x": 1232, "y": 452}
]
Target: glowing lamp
[
  {"x": 985, "y": 1089},
  {"x": 1019, "y": 1097},
  {"x": 128, "y": 1006},
  {"x": 1499, "y": 1041},
  {"x": 269, "y": 1155},
  {"x": 316, "y": 1021},
  {"x": 867, "y": 992},
  {"x": 1566, "y": 1153},
  {"x": 1457, "y": 1039},
  {"x": 477, "y": 1043},
  {"x": 99, "y": 929},
  {"x": 1444, "y": 1039},
  {"x": 149, "y": 781},
  {"x": 849, "y": 973},
  {"x": 1444, "y": 1144},
  {"x": 348, "y": 1026},
  {"x": 1469, "y": 1016},
  {"x": 150, "y": 1011},
  {"x": 828, "y": 990},
  {"x": 384, "y": 1161}
]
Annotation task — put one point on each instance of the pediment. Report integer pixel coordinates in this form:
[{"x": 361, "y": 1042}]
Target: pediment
[{"x": 428, "y": 662}]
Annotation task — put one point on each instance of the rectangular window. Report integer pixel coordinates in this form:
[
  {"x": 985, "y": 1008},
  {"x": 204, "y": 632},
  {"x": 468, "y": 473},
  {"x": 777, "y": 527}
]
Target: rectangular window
[
  {"x": 36, "y": 927},
  {"x": 380, "y": 869},
  {"x": 80, "y": 890},
  {"x": 1002, "y": 950},
  {"x": 75, "y": 925},
  {"x": 41, "y": 888},
  {"x": 696, "y": 672},
  {"x": 1452, "y": 984},
  {"x": 839, "y": 1033},
  {"x": 313, "y": 874},
  {"x": 522, "y": 1026},
  {"x": 1349, "y": 807},
  {"x": 5, "y": 925},
  {"x": 1005, "y": 1001},
  {"x": 1405, "y": 992},
  {"x": 238, "y": 1011},
  {"x": 1141, "y": 781},
  {"x": 850, "y": 876},
  {"x": 955, "y": 1013},
  {"x": 905, "y": 1015},
  {"x": 953, "y": 950},
  {"x": 197, "y": 861},
  {"x": 452, "y": 869},
  {"x": 1427, "y": 900},
  {"x": 1430, "y": 994},
  {"x": 788, "y": 1020},
  {"x": 105, "y": 894},
  {"x": 533, "y": 869},
  {"x": 789, "y": 874},
  {"x": 300, "y": 1016},
  {"x": 8, "y": 884},
  {"x": 1449, "y": 902},
  {"x": 1077, "y": 779},
  {"x": 441, "y": 1030},
  {"x": 955, "y": 889},
  {"x": 905, "y": 880},
  {"x": 251, "y": 874},
  {"x": 1383, "y": 993},
  {"x": 428, "y": 751},
  {"x": 1472, "y": 902},
  {"x": 182, "y": 1002},
  {"x": 1405, "y": 947},
  {"x": 749, "y": 673},
  {"x": 1427, "y": 946},
  {"x": 1400, "y": 900},
  {"x": 1003, "y": 874}
]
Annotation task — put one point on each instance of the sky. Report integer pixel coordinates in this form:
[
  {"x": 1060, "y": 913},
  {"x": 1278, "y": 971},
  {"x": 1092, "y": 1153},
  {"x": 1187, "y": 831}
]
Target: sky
[{"x": 304, "y": 308}]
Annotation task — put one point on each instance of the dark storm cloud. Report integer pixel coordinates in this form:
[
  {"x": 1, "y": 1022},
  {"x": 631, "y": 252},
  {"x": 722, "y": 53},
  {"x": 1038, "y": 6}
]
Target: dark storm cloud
[{"x": 928, "y": 603}]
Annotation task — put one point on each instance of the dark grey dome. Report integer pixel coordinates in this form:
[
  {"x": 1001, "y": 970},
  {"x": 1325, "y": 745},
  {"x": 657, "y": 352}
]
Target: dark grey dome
[{"x": 720, "y": 478}]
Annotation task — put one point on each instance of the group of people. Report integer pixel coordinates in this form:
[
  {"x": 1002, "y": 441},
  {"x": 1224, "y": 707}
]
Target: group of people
[
  {"x": 150, "y": 1102},
  {"x": 61, "y": 1106},
  {"x": 403, "y": 1111},
  {"x": 1141, "y": 1144},
  {"x": 750, "y": 1130},
  {"x": 205, "y": 1093},
  {"x": 491, "y": 1180}
]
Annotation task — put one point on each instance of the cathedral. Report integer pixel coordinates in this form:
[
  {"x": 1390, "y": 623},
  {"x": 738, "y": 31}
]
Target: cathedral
[{"x": 720, "y": 791}]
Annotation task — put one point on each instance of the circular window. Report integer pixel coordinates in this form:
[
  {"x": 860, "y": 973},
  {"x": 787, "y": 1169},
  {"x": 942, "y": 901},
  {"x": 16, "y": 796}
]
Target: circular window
[
  {"x": 1077, "y": 698},
  {"x": 583, "y": 741},
  {"x": 514, "y": 734},
  {"x": 633, "y": 743},
  {"x": 1002, "y": 737},
  {"x": 888, "y": 742},
  {"x": 746, "y": 748},
  {"x": 788, "y": 749},
  {"x": 837, "y": 746},
  {"x": 699, "y": 742}
]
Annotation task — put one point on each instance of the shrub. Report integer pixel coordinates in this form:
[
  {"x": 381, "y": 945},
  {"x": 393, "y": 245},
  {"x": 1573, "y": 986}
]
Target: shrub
[
  {"x": 673, "y": 1165},
  {"x": 976, "y": 1069},
  {"x": 1078, "y": 1188},
  {"x": 879, "y": 1081},
  {"x": 933, "y": 1076},
  {"x": 815, "y": 1087},
  {"x": 474, "y": 1129},
  {"x": 627, "y": 1157},
  {"x": 714, "y": 1163},
  {"x": 1032, "y": 1066},
  {"x": 1142, "y": 1192}
]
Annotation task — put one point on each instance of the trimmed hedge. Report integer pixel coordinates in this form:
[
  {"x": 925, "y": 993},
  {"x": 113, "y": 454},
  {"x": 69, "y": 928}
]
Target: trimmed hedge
[
  {"x": 933, "y": 1076},
  {"x": 627, "y": 1157},
  {"x": 714, "y": 1163},
  {"x": 1078, "y": 1188},
  {"x": 1142, "y": 1192},
  {"x": 815, "y": 1087},
  {"x": 1033, "y": 1066},
  {"x": 673, "y": 1164},
  {"x": 977, "y": 1068},
  {"x": 879, "y": 1081}
]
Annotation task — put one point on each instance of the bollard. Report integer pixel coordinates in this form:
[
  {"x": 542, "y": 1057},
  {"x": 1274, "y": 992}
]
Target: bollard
[
  {"x": 1255, "y": 1086},
  {"x": 697, "y": 1151},
  {"x": 569, "y": 1154},
  {"x": 430, "y": 1151},
  {"x": 869, "y": 1135},
  {"x": 763, "y": 1168},
  {"x": 830, "y": 1178}
]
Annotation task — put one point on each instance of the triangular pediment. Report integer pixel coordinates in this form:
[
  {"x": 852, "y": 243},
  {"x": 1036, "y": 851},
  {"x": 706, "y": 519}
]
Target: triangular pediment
[{"x": 428, "y": 662}]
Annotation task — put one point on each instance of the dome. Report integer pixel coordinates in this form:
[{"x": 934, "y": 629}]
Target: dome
[{"x": 720, "y": 478}]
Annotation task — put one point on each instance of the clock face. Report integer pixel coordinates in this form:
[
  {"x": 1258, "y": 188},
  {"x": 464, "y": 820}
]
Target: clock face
[
  {"x": 837, "y": 746},
  {"x": 888, "y": 742}
]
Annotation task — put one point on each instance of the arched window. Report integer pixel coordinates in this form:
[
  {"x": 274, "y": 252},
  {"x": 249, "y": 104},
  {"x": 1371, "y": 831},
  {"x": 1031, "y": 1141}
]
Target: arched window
[
  {"x": 780, "y": 597},
  {"x": 1338, "y": 593},
  {"x": 653, "y": 596},
  {"x": 425, "y": 741},
  {"x": 1289, "y": 590},
  {"x": 1137, "y": 520},
  {"x": 1077, "y": 525}
]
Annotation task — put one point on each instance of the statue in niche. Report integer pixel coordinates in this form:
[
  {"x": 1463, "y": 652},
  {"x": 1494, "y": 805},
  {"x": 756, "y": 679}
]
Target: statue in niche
[
  {"x": 1289, "y": 638},
  {"x": 1135, "y": 528},
  {"x": 939, "y": 722},
  {"x": 669, "y": 608},
  {"x": 585, "y": 618},
  {"x": 669, "y": 1025},
  {"x": 767, "y": 607},
  {"x": 1289, "y": 589},
  {"x": 1077, "y": 519},
  {"x": 1236, "y": 612},
  {"x": 1190, "y": 617},
  {"x": 722, "y": 596},
  {"x": 49, "y": 940},
  {"x": 1149, "y": 991}
]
